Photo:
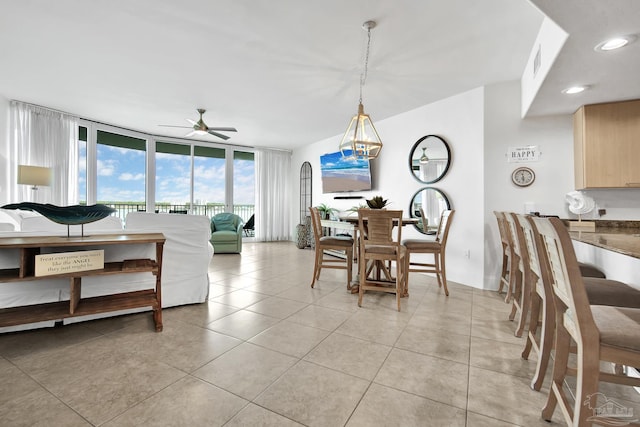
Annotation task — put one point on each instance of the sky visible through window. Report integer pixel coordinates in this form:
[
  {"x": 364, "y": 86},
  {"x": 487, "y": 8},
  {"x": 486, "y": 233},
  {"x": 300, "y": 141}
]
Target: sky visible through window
[{"x": 121, "y": 177}]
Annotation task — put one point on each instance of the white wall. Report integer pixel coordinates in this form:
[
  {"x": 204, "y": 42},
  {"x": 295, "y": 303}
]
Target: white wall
[
  {"x": 4, "y": 143},
  {"x": 459, "y": 120},
  {"x": 554, "y": 171}
]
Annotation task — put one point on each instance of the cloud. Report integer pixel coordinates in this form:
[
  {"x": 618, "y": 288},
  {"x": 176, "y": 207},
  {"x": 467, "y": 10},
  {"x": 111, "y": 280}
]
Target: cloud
[
  {"x": 131, "y": 177},
  {"x": 106, "y": 167}
]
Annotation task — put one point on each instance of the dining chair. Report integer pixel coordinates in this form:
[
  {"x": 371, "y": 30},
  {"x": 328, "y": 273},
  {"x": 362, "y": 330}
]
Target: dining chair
[
  {"x": 542, "y": 318},
  {"x": 380, "y": 242},
  {"x": 322, "y": 243},
  {"x": 519, "y": 271},
  {"x": 511, "y": 260},
  {"x": 436, "y": 248},
  {"x": 601, "y": 333},
  {"x": 505, "y": 243}
]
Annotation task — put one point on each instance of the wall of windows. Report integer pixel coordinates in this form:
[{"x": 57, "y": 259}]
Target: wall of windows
[{"x": 132, "y": 171}]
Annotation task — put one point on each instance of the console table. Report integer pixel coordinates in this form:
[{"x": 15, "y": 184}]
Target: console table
[{"x": 29, "y": 247}]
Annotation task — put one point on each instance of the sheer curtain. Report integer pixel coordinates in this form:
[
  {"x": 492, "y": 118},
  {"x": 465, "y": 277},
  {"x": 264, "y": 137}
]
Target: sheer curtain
[
  {"x": 273, "y": 195},
  {"x": 43, "y": 137}
]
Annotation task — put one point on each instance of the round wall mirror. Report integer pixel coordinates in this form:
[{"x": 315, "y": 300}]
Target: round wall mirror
[
  {"x": 428, "y": 204},
  {"x": 429, "y": 159}
]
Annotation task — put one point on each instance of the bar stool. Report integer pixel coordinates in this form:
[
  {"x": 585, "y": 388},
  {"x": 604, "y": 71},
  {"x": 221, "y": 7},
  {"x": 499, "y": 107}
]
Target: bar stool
[{"x": 435, "y": 247}]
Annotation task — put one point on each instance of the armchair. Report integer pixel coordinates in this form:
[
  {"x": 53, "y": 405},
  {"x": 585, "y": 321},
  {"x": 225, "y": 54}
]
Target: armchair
[{"x": 226, "y": 233}]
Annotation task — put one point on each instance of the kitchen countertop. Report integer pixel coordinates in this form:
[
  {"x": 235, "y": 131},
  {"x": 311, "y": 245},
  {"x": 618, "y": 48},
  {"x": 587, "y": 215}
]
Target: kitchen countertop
[{"x": 617, "y": 236}]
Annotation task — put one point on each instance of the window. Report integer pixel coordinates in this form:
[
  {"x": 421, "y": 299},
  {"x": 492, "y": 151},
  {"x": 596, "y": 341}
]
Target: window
[
  {"x": 243, "y": 184},
  {"x": 209, "y": 179},
  {"x": 82, "y": 165},
  {"x": 184, "y": 176},
  {"x": 173, "y": 177},
  {"x": 121, "y": 170}
]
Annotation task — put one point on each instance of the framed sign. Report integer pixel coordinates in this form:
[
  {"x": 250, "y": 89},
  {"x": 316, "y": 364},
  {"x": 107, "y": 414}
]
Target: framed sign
[
  {"x": 528, "y": 153},
  {"x": 68, "y": 262}
]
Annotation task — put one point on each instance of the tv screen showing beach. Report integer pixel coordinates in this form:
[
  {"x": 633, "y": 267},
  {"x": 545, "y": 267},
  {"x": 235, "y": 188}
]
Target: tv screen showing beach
[{"x": 339, "y": 173}]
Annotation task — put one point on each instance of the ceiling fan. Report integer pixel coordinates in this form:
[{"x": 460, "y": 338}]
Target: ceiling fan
[{"x": 200, "y": 128}]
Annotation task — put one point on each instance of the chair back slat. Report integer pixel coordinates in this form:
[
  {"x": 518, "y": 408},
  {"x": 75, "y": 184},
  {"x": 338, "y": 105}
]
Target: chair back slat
[
  {"x": 501, "y": 227},
  {"x": 529, "y": 245},
  {"x": 512, "y": 231},
  {"x": 315, "y": 223},
  {"x": 445, "y": 225}
]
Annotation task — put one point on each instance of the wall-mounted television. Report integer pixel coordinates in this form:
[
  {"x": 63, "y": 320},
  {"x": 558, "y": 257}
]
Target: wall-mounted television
[{"x": 340, "y": 173}]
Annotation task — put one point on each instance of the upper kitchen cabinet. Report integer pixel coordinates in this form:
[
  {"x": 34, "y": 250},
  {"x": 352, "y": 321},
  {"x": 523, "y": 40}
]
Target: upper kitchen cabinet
[{"x": 607, "y": 145}]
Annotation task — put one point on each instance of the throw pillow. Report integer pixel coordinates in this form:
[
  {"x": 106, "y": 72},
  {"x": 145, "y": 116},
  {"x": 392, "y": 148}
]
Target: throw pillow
[{"x": 224, "y": 223}]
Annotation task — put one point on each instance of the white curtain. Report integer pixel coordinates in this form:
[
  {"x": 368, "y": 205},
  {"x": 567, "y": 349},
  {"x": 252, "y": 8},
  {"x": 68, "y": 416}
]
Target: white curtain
[
  {"x": 273, "y": 169},
  {"x": 43, "y": 137}
]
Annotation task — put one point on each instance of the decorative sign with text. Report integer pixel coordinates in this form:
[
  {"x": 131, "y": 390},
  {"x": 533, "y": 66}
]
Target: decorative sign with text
[
  {"x": 69, "y": 262},
  {"x": 529, "y": 153}
]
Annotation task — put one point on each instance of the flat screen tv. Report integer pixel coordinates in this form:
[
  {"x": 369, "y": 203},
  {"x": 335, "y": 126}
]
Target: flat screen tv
[{"x": 340, "y": 174}]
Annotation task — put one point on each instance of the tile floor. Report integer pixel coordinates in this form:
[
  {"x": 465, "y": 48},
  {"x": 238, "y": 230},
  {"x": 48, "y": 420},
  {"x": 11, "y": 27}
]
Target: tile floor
[{"x": 266, "y": 350}]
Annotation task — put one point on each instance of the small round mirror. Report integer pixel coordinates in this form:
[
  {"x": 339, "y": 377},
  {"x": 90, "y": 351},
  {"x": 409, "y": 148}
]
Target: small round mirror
[
  {"x": 427, "y": 205},
  {"x": 429, "y": 159}
]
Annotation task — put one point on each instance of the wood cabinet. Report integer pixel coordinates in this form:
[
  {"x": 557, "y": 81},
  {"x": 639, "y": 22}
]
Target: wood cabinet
[
  {"x": 29, "y": 247},
  {"x": 607, "y": 145}
]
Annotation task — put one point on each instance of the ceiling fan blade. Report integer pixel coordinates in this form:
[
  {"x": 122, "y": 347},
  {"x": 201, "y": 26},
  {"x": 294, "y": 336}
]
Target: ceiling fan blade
[
  {"x": 172, "y": 126},
  {"x": 223, "y": 129},
  {"x": 219, "y": 135},
  {"x": 190, "y": 134},
  {"x": 193, "y": 123}
]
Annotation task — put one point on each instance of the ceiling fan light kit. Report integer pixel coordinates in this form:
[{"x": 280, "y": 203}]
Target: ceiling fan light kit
[{"x": 361, "y": 140}]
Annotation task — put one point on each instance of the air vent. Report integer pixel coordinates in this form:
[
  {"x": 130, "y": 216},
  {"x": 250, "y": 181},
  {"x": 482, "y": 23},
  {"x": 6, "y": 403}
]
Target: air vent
[{"x": 536, "y": 61}]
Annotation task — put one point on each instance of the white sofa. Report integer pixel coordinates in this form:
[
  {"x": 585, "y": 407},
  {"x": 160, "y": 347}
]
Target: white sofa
[{"x": 186, "y": 257}]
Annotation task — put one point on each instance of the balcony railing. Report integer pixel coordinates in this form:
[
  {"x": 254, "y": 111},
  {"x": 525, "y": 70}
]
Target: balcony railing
[{"x": 122, "y": 209}]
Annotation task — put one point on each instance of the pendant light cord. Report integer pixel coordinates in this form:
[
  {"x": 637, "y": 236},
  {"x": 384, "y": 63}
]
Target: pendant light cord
[{"x": 363, "y": 76}]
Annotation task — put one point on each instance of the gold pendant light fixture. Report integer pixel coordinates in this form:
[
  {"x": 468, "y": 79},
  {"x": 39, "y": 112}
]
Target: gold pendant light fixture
[{"x": 361, "y": 140}]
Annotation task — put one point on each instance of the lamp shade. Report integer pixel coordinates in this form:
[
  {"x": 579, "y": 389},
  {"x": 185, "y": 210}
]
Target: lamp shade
[
  {"x": 34, "y": 175},
  {"x": 361, "y": 138}
]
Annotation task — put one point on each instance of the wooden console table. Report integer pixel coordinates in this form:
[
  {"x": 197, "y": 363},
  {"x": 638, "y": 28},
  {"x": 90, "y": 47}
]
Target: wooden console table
[{"x": 29, "y": 247}]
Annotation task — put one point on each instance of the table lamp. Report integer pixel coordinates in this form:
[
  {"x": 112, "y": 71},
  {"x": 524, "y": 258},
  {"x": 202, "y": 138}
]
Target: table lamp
[{"x": 34, "y": 176}]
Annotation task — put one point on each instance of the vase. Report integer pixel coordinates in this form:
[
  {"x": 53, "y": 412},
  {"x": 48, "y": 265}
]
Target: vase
[{"x": 301, "y": 236}]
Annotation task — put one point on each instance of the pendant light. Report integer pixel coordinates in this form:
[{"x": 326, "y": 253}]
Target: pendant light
[
  {"x": 361, "y": 140},
  {"x": 424, "y": 159}
]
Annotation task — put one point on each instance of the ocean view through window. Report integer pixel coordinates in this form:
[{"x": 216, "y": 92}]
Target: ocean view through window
[{"x": 189, "y": 178}]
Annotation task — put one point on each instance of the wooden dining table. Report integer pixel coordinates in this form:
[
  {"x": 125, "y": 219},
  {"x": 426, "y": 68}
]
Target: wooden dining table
[{"x": 350, "y": 225}]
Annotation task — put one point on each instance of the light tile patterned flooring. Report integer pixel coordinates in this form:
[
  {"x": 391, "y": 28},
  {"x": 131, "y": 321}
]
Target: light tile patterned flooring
[{"x": 267, "y": 350}]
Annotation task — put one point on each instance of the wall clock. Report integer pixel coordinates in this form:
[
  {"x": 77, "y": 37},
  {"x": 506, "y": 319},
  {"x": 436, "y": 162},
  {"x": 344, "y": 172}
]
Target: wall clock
[{"x": 523, "y": 176}]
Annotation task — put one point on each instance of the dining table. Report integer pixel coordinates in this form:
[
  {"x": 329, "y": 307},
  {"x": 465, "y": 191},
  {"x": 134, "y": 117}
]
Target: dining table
[{"x": 349, "y": 224}]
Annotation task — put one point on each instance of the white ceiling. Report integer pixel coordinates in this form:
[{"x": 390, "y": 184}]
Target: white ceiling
[{"x": 285, "y": 72}]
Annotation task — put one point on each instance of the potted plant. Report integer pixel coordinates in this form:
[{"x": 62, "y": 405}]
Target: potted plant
[
  {"x": 326, "y": 211},
  {"x": 354, "y": 209},
  {"x": 377, "y": 202}
]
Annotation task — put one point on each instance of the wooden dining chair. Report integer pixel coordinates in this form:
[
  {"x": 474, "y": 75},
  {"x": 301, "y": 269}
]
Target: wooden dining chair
[
  {"x": 601, "y": 333},
  {"x": 542, "y": 318},
  {"x": 505, "y": 243},
  {"x": 520, "y": 273},
  {"x": 380, "y": 243},
  {"x": 322, "y": 243},
  {"x": 436, "y": 247}
]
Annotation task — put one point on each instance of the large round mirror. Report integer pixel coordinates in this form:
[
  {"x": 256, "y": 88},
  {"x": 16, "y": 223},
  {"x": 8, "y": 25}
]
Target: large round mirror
[
  {"x": 427, "y": 205},
  {"x": 429, "y": 159}
]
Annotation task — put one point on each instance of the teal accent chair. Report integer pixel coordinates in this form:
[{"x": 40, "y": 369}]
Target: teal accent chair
[{"x": 226, "y": 233}]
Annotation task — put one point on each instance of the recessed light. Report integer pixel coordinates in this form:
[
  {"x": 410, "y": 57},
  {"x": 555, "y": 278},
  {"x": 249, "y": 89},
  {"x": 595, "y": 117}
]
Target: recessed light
[
  {"x": 615, "y": 43},
  {"x": 575, "y": 89}
]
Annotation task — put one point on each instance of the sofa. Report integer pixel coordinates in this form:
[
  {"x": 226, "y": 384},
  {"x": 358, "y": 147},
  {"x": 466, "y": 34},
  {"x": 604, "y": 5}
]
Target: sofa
[
  {"x": 226, "y": 233},
  {"x": 186, "y": 258}
]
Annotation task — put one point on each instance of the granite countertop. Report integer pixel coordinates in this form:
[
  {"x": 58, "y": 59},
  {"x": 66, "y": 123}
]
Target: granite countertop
[{"x": 617, "y": 236}]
